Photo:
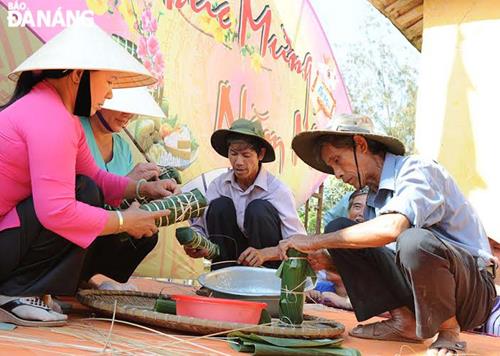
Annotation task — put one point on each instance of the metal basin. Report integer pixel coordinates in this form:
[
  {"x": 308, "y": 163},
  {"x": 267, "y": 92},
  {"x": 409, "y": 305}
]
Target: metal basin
[{"x": 247, "y": 283}]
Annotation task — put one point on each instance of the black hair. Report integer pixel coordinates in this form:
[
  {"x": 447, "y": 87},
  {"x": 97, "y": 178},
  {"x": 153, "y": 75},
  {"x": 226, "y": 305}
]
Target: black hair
[
  {"x": 374, "y": 147},
  {"x": 27, "y": 80},
  {"x": 355, "y": 194},
  {"x": 254, "y": 143}
]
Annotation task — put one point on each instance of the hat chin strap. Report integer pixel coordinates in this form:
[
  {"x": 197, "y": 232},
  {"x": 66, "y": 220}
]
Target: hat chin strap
[
  {"x": 103, "y": 121},
  {"x": 356, "y": 161}
]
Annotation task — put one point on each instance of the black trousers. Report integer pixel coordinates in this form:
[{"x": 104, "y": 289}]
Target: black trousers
[
  {"x": 435, "y": 279},
  {"x": 37, "y": 261},
  {"x": 262, "y": 226}
]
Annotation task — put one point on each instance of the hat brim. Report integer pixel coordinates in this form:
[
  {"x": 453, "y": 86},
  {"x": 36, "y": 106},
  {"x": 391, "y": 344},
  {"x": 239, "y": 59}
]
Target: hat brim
[
  {"x": 304, "y": 146},
  {"x": 86, "y": 46},
  {"x": 219, "y": 143},
  {"x": 135, "y": 101}
]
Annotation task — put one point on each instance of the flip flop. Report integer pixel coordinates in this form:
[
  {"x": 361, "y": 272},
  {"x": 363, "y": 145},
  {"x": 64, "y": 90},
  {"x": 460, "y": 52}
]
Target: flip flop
[
  {"x": 8, "y": 316},
  {"x": 381, "y": 330}
]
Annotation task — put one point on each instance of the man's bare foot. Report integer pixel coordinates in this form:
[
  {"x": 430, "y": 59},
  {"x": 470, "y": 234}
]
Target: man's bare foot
[
  {"x": 448, "y": 341},
  {"x": 400, "y": 327}
]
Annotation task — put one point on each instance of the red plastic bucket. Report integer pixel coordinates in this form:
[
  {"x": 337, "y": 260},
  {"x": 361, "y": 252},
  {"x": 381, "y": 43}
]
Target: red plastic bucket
[{"x": 219, "y": 309}]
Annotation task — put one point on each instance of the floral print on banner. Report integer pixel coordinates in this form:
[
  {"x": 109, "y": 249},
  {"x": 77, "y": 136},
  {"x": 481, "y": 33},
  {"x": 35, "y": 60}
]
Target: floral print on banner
[{"x": 144, "y": 24}]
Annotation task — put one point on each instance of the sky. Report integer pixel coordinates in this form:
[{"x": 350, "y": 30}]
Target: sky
[{"x": 342, "y": 21}]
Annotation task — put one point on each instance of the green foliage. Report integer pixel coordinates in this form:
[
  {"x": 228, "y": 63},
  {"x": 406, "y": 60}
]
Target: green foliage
[
  {"x": 382, "y": 85},
  {"x": 333, "y": 191}
]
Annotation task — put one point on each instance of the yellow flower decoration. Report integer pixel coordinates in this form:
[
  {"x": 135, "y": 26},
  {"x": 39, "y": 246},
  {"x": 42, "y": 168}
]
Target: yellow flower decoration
[
  {"x": 218, "y": 33},
  {"x": 98, "y": 7},
  {"x": 256, "y": 62},
  {"x": 127, "y": 12},
  {"x": 206, "y": 22},
  {"x": 212, "y": 27}
]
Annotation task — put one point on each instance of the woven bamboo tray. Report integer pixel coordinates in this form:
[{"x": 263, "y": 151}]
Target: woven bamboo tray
[{"x": 138, "y": 307}]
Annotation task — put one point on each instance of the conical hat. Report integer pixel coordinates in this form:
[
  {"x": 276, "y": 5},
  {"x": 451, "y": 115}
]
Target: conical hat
[
  {"x": 134, "y": 101},
  {"x": 342, "y": 125},
  {"x": 84, "y": 45}
]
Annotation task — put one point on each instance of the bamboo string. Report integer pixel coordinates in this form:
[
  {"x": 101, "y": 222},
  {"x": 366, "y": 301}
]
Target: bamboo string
[
  {"x": 187, "y": 204},
  {"x": 32, "y": 348},
  {"x": 87, "y": 332},
  {"x": 111, "y": 327},
  {"x": 213, "y": 335},
  {"x": 81, "y": 334},
  {"x": 227, "y": 261},
  {"x": 52, "y": 343},
  {"x": 159, "y": 333}
]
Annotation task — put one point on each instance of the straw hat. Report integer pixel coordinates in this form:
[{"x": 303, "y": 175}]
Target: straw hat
[
  {"x": 242, "y": 127},
  {"x": 342, "y": 125},
  {"x": 134, "y": 101},
  {"x": 84, "y": 45}
]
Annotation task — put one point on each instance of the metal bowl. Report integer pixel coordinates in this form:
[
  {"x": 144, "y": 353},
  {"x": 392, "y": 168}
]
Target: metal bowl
[{"x": 247, "y": 283}]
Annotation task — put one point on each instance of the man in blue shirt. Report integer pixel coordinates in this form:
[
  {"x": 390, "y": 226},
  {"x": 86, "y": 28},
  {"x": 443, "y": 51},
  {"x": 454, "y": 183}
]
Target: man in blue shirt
[{"x": 435, "y": 276}]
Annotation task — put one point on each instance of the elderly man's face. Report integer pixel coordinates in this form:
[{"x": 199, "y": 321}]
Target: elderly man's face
[
  {"x": 357, "y": 209},
  {"x": 244, "y": 160},
  {"x": 341, "y": 160}
]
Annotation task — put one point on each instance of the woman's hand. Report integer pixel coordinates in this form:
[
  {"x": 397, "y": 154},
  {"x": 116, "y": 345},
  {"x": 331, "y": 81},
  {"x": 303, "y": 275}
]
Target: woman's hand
[
  {"x": 141, "y": 223},
  {"x": 144, "y": 170}
]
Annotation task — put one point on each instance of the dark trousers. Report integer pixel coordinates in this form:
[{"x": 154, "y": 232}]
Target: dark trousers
[
  {"x": 262, "y": 226},
  {"x": 435, "y": 279},
  {"x": 37, "y": 261}
]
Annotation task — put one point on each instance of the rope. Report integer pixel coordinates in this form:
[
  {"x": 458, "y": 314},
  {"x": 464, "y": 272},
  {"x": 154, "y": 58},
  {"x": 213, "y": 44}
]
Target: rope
[{"x": 182, "y": 207}]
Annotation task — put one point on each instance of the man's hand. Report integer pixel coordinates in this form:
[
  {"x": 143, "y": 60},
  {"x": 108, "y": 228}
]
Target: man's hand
[
  {"x": 196, "y": 252},
  {"x": 321, "y": 260},
  {"x": 253, "y": 257},
  {"x": 302, "y": 243}
]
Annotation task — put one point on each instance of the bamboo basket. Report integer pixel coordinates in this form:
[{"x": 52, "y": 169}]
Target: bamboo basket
[{"x": 138, "y": 307}]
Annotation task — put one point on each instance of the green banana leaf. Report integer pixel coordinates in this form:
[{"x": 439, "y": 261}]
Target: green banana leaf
[
  {"x": 293, "y": 273},
  {"x": 170, "y": 173},
  {"x": 165, "y": 305},
  {"x": 190, "y": 238},
  {"x": 269, "y": 345},
  {"x": 182, "y": 207}
]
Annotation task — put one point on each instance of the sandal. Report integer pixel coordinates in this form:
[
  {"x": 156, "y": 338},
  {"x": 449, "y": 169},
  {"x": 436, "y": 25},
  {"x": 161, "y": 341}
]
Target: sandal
[
  {"x": 35, "y": 305},
  {"x": 381, "y": 330}
]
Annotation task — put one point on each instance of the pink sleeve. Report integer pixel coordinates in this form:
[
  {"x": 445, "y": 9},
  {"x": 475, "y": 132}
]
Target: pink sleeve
[
  {"x": 52, "y": 143},
  {"x": 112, "y": 185}
]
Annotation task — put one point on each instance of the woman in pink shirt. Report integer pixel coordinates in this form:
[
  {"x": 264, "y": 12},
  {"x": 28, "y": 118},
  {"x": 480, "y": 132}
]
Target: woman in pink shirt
[{"x": 51, "y": 190}]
